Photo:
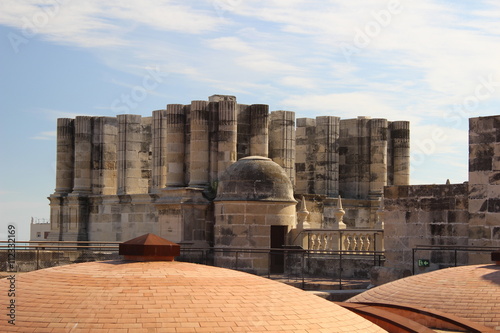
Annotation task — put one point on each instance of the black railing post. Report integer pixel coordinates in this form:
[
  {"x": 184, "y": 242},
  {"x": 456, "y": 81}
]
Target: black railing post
[
  {"x": 236, "y": 263},
  {"x": 413, "y": 261},
  {"x": 268, "y": 264},
  {"x": 340, "y": 270},
  {"x": 302, "y": 270}
]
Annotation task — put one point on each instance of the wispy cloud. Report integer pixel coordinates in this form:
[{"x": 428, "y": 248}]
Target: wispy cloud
[
  {"x": 412, "y": 60},
  {"x": 45, "y": 136}
]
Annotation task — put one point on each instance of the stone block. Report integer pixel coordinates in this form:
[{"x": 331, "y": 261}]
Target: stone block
[
  {"x": 494, "y": 205},
  {"x": 260, "y": 231},
  {"x": 484, "y": 137},
  {"x": 234, "y": 209},
  {"x": 495, "y": 233},
  {"x": 480, "y": 164},
  {"x": 481, "y": 151},
  {"x": 491, "y": 219},
  {"x": 496, "y": 163},
  {"x": 478, "y": 205},
  {"x": 477, "y": 219},
  {"x": 479, "y": 232},
  {"x": 235, "y": 219},
  {"x": 262, "y": 242},
  {"x": 136, "y": 218},
  {"x": 458, "y": 216},
  {"x": 240, "y": 242}
]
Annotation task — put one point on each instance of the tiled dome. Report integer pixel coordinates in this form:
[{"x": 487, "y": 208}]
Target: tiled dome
[
  {"x": 471, "y": 292},
  {"x": 159, "y": 296}
]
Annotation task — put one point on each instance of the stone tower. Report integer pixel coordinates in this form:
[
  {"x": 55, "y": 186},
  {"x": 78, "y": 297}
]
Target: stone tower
[{"x": 254, "y": 208}]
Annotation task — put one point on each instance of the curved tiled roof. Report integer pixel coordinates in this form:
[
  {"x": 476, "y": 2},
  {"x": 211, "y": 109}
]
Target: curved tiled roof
[
  {"x": 471, "y": 292},
  {"x": 121, "y": 296}
]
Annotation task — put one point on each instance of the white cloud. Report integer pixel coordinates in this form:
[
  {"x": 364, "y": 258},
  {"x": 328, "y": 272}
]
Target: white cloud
[
  {"x": 51, "y": 135},
  {"x": 425, "y": 57},
  {"x": 53, "y": 114},
  {"x": 299, "y": 82},
  {"x": 345, "y": 105},
  {"x": 107, "y": 24},
  {"x": 230, "y": 44}
]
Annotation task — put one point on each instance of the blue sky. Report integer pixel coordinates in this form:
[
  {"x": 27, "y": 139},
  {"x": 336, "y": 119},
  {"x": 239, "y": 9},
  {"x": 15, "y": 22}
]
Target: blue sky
[{"x": 434, "y": 63}]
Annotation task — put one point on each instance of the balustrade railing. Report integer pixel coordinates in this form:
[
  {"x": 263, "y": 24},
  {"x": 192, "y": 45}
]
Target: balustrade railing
[{"x": 353, "y": 240}]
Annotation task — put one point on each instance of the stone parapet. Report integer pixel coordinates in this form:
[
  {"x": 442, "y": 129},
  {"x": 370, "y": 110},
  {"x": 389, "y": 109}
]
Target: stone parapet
[{"x": 425, "y": 215}]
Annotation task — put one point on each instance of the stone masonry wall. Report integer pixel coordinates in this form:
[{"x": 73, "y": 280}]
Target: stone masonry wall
[
  {"x": 425, "y": 215},
  {"x": 484, "y": 183}
]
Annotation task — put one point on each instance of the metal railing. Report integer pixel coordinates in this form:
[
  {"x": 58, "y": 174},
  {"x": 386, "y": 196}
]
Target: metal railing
[
  {"x": 299, "y": 264},
  {"x": 454, "y": 249}
]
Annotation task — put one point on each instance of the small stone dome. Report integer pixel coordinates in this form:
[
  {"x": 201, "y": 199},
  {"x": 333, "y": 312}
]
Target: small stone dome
[
  {"x": 471, "y": 292},
  {"x": 255, "y": 178}
]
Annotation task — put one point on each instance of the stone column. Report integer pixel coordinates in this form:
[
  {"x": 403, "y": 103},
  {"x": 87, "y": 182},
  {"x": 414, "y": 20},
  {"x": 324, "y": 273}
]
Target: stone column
[
  {"x": 176, "y": 121},
  {"x": 227, "y": 135},
  {"x": 145, "y": 155},
  {"x": 378, "y": 157},
  {"x": 348, "y": 158},
  {"x": 282, "y": 141},
  {"x": 159, "y": 172},
  {"x": 104, "y": 155},
  {"x": 400, "y": 134},
  {"x": 83, "y": 154},
  {"x": 129, "y": 146},
  {"x": 65, "y": 155},
  {"x": 364, "y": 157},
  {"x": 213, "y": 109},
  {"x": 199, "y": 156},
  {"x": 243, "y": 120},
  {"x": 327, "y": 156},
  {"x": 305, "y": 155},
  {"x": 259, "y": 137}
]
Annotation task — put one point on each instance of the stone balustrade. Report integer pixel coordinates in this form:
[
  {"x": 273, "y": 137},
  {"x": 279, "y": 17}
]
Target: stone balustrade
[{"x": 352, "y": 240}]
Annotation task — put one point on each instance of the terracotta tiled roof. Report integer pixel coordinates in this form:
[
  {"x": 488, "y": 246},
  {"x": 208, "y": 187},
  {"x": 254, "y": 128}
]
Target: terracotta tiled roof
[
  {"x": 471, "y": 292},
  {"x": 118, "y": 296}
]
